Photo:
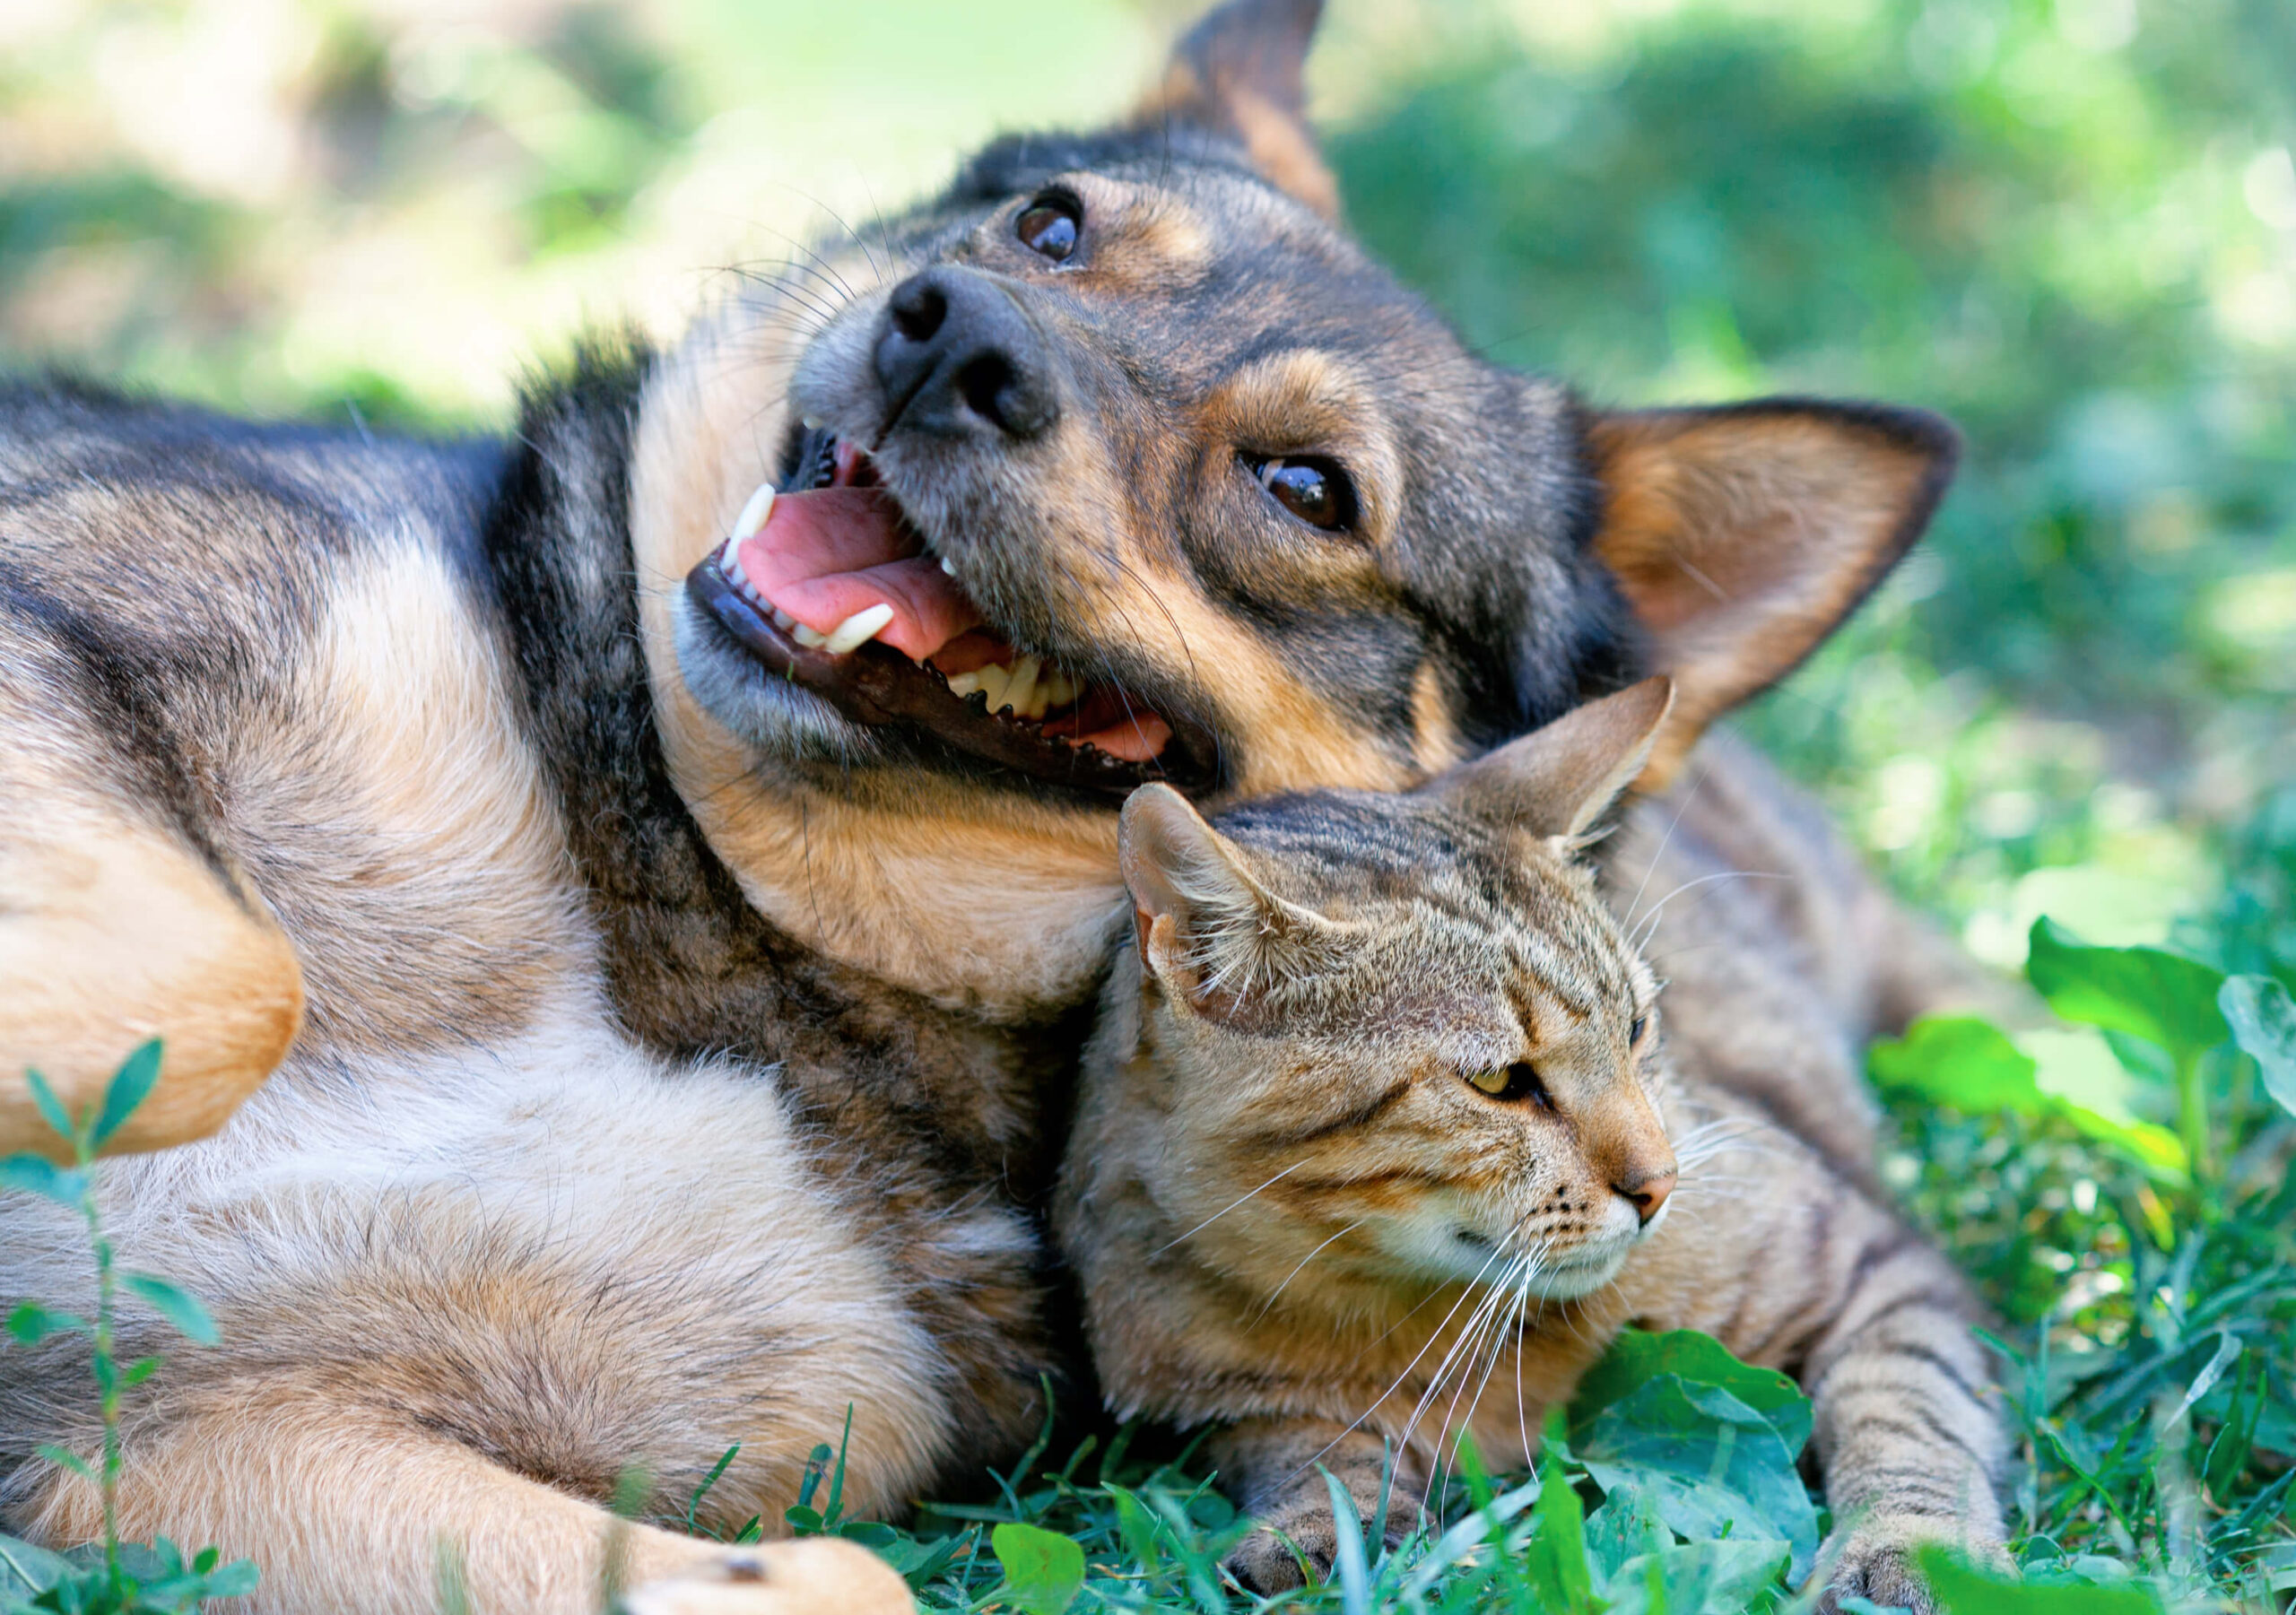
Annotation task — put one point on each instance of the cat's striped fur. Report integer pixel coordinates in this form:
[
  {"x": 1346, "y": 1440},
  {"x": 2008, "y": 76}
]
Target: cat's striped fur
[{"x": 1298, "y": 1214}]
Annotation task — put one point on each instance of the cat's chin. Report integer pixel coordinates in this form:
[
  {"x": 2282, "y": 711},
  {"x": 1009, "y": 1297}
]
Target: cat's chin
[{"x": 1571, "y": 1281}]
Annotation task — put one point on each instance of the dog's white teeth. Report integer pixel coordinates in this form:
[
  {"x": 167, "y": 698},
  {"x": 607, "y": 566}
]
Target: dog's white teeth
[
  {"x": 753, "y": 518},
  {"x": 1028, "y": 688},
  {"x": 858, "y": 630},
  {"x": 948, "y": 566},
  {"x": 808, "y": 637},
  {"x": 991, "y": 680},
  {"x": 1022, "y": 691},
  {"x": 812, "y": 423},
  {"x": 783, "y": 619},
  {"x": 729, "y": 563}
]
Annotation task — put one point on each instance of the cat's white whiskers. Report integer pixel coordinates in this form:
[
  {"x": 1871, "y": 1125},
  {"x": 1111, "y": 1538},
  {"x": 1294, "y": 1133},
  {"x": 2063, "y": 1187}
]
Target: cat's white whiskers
[
  {"x": 1490, "y": 1318},
  {"x": 1468, "y": 1331},
  {"x": 1639, "y": 938},
  {"x": 1463, "y": 1351},
  {"x": 1224, "y": 1209},
  {"x": 1696, "y": 785},
  {"x": 1380, "y": 1400},
  {"x": 1504, "y": 1325},
  {"x": 1295, "y": 1273}
]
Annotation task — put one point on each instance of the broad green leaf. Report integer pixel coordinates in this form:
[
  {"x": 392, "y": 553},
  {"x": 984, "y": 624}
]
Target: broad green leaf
[
  {"x": 140, "y": 1370},
  {"x": 31, "y": 1323},
  {"x": 1637, "y": 1356},
  {"x": 1713, "y": 1467},
  {"x": 52, "y": 1108},
  {"x": 129, "y": 1086},
  {"x": 25, "y": 1569},
  {"x": 1626, "y": 1526},
  {"x": 33, "y": 1175},
  {"x": 1698, "y": 1578},
  {"x": 1043, "y": 1570},
  {"x": 2263, "y": 1018},
  {"x": 1554, "y": 1560},
  {"x": 1962, "y": 1062},
  {"x": 2164, "y": 998},
  {"x": 235, "y": 1580},
  {"x": 1973, "y": 1067},
  {"x": 179, "y": 1307},
  {"x": 1964, "y": 1589}
]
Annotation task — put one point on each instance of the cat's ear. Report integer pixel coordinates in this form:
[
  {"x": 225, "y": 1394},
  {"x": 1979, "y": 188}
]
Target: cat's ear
[
  {"x": 1209, "y": 929},
  {"x": 1240, "y": 73},
  {"x": 1558, "y": 780},
  {"x": 1742, "y": 536}
]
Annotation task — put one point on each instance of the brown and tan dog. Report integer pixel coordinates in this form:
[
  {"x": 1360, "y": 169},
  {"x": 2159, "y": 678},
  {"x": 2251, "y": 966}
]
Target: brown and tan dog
[{"x": 651, "y": 955}]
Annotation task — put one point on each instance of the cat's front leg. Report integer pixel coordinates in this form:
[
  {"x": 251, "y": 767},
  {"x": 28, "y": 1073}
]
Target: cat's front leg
[{"x": 1274, "y": 1466}]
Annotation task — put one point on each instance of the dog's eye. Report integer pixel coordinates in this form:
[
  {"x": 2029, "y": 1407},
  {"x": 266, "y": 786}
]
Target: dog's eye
[
  {"x": 1514, "y": 1083},
  {"x": 1316, "y": 491},
  {"x": 1641, "y": 1025},
  {"x": 1048, "y": 226}
]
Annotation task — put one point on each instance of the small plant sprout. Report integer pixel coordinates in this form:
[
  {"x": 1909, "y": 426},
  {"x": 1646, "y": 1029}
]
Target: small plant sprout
[{"x": 127, "y": 1578}]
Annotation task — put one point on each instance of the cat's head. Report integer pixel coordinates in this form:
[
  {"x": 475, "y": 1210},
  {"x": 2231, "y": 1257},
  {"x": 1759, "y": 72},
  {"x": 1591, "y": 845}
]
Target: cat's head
[{"x": 1402, "y": 1034}]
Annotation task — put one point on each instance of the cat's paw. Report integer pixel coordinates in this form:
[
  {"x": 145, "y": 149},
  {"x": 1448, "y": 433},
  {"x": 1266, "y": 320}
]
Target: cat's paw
[
  {"x": 1875, "y": 1561},
  {"x": 1267, "y": 1563},
  {"x": 819, "y": 1576}
]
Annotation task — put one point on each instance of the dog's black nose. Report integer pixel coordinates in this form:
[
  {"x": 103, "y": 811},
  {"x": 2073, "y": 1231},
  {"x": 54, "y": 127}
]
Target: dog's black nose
[{"x": 957, "y": 353}]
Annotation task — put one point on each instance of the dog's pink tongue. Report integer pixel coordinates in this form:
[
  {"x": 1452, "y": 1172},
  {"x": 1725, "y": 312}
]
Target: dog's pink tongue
[{"x": 825, "y": 555}]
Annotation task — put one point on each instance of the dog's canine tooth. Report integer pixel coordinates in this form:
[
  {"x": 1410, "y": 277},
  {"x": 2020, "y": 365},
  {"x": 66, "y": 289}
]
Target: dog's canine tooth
[
  {"x": 1019, "y": 693},
  {"x": 993, "y": 682},
  {"x": 858, "y": 630},
  {"x": 963, "y": 684},
  {"x": 948, "y": 566},
  {"x": 808, "y": 637},
  {"x": 755, "y": 514}
]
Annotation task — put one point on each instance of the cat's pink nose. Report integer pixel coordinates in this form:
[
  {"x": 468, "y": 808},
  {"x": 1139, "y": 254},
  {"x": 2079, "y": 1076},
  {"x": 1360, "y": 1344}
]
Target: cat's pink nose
[{"x": 1648, "y": 1191}]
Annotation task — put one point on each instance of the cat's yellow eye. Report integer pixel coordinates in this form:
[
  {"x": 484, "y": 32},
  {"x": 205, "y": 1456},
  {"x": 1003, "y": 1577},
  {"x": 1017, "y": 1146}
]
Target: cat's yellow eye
[{"x": 1513, "y": 1083}]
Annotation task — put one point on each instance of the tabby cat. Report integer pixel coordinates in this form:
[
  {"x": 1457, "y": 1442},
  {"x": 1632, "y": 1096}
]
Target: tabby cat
[{"x": 1380, "y": 1141}]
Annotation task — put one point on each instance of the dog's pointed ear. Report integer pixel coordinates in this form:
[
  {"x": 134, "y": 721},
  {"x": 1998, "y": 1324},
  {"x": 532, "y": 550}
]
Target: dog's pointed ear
[
  {"x": 1559, "y": 779},
  {"x": 1209, "y": 929},
  {"x": 1742, "y": 535},
  {"x": 1240, "y": 73}
]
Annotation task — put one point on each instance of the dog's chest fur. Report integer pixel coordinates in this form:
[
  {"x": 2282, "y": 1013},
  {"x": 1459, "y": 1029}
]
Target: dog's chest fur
[{"x": 556, "y": 1072}]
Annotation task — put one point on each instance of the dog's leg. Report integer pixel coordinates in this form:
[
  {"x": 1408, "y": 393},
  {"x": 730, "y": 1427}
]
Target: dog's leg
[
  {"x": 113, "y": 929},
  {"x": 351, "y": 1512}
]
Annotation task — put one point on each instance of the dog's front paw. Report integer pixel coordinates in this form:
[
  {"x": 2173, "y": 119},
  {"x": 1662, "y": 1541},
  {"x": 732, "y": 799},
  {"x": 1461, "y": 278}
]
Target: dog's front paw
[
  {"x": 1268, "y": 1563},
  {"x": 1875, "y": 1561},
  {"x": 819, "y": 1576}
]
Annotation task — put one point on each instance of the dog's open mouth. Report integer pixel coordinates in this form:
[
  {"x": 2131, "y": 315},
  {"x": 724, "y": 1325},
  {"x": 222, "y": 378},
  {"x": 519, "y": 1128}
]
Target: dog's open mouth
[{"x": 829, "y": 585}]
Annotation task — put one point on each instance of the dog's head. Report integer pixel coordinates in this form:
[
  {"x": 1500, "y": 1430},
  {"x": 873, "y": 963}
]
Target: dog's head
[{"x": 1122, "y": 462}]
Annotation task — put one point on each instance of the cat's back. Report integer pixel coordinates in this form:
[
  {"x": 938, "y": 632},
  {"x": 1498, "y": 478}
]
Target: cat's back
[{"x": 1780, "y": 954}]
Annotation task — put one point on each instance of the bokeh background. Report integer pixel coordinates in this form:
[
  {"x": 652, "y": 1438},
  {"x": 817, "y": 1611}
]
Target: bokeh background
[{"x": 2069, "y": 224}]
